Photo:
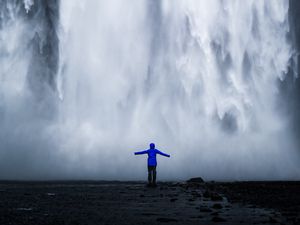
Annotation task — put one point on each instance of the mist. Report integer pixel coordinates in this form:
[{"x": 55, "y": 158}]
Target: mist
[{"x": 84, "y": 84}]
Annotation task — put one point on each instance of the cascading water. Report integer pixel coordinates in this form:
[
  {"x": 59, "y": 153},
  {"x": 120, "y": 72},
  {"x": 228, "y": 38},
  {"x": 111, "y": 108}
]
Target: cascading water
[{"x": 86, "y": 83}]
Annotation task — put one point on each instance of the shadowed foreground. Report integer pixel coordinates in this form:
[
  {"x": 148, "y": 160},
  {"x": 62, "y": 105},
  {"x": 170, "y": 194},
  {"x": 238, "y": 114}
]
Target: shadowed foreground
[{"x": 133, "y": 203}]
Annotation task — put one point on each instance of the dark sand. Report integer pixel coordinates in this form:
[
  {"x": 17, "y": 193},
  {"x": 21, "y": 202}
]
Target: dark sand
[{"x": 111, "y": 203}]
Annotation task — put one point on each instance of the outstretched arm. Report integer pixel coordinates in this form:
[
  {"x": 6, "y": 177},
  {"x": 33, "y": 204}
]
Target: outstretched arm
[
  {"x": 161, "y": 153},
  {"x": 141, "y": 152}
]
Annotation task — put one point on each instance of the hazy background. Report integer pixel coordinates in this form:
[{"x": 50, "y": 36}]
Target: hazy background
[{"x": 84, "y": 84}]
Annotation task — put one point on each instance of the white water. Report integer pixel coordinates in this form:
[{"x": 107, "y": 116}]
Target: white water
[{"x": 198, "y": 78}]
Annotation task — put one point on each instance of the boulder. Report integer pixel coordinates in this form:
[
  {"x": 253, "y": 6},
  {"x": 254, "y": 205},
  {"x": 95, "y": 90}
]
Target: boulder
[{"x": 198, "y": 180}]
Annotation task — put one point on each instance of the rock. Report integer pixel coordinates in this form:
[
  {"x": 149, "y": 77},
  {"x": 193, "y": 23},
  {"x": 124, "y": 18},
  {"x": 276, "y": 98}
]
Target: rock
[
  {"x": 205, "y": 209},
  {"x": 166, "y": 220},
  {"x": 217, "y": 206},
  {"x": 218, "y": 219},
  {"x": 149, "y": 214},
  {"x": 198, "y": 180},
  {"x": 196, "y": 194},
  {"x": 216, "y": 197},
  {"x": 24, "y": 209},
  {"x": 272, "y": 220},
  {"x": 212, "y": 195},
  {"x": 206, "y": 194}
]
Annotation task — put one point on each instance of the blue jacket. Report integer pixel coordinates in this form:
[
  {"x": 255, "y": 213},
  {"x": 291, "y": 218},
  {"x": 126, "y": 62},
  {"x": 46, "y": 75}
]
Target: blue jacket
[{"x": 151, "y": 155}]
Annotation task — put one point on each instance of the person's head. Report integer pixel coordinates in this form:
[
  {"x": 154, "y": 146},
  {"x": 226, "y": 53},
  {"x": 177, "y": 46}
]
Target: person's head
[{"x": 152, "y": 145}]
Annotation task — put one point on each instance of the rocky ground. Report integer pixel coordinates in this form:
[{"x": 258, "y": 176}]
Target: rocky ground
[{"x": 80, "y": 203}]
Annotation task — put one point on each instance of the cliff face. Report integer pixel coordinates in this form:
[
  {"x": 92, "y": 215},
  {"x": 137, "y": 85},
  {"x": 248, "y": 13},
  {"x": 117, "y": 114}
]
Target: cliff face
[
  {"x": 290, "y": 87},
  {"x": 294, "y": 13}
]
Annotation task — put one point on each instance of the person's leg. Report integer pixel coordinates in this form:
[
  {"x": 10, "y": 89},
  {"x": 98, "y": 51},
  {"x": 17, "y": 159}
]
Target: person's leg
[
  {"x": 154, "y": 175},
  {"x": 149, "y": 175}
]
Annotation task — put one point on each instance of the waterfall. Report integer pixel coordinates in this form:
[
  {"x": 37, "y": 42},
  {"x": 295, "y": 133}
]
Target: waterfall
[{"x": 86, "y": 83}]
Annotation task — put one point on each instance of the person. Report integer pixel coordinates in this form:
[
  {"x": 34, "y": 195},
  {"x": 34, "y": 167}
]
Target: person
[{"x": 152, "y": 163}]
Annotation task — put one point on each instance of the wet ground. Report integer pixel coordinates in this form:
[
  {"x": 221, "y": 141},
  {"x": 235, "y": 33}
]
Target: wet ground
[{"x": 81, "y": 203}]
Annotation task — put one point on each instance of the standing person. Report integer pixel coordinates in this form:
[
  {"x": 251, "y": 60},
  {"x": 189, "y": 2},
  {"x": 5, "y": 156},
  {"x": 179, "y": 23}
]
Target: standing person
[{"x": 152, "y": 163}]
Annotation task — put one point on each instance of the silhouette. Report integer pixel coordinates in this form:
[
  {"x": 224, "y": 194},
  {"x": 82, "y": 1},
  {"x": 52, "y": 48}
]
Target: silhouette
[{"x": 152, "y": 163}]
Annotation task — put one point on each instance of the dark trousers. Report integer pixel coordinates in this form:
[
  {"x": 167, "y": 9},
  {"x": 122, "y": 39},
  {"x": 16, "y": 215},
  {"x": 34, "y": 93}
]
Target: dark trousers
[{"x": 152, "y": 174}]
